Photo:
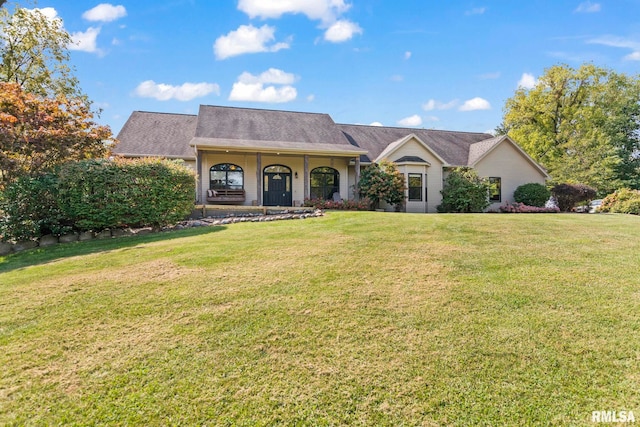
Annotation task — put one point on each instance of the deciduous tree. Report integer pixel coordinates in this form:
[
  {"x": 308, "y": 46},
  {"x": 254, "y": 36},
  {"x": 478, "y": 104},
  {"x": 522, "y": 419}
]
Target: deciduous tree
[
  {"x": 35, "y": 55},
  {"x": 582, "y": 125},
  {"x": 38, "y": 133}
]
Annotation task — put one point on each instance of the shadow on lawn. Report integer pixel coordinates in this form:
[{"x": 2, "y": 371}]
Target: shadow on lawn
[{"x": 40, "y": 256}]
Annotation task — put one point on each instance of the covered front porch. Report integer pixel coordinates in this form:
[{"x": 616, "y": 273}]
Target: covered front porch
[{"x": 273, "y": 174}]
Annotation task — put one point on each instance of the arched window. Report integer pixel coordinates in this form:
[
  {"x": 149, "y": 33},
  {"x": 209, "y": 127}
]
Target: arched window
[
  {"x": 324, "y": 182},
  {"x": 226, "y": 175}
]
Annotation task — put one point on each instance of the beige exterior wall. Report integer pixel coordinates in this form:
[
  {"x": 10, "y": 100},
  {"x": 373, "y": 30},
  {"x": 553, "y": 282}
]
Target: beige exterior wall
[
  {"x": 512, "y": 167},
  {"x": 248, "y": 162},
  {"x": 432, "y": 175}
]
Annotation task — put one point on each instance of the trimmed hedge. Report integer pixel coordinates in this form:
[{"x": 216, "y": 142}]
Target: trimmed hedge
[
  {"x": 94, "y": 195},
  {"x": 624, "y": 200},
  {"x": 569, "y": 195},
  {"x": 532, "y": 194},
  {"x": 29, "y": 209},
  {"x": 100, "y": 194}
]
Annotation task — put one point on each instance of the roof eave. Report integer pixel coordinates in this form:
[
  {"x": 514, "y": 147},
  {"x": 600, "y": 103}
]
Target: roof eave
[
  {"x": 264, "y": 147},
  {"x": 161, "y": 156}
]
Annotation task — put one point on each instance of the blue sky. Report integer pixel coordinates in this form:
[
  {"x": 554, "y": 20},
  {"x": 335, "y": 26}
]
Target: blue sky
[{"x": 416, "y": 63}]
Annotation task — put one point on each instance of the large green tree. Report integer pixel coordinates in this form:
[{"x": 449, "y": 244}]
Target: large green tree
[
  {"x": 581, "y": 124},
  {"x": 34, "y": 52}
]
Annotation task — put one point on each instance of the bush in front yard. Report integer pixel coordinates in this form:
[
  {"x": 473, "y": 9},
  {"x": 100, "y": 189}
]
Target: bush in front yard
[
  {"x": 532, "y": 194},
  {"x": 522, "y": 208},
  {"x": 569, "y": 195},
  {"x": 464, "y": 191},
  {"x": 100, "y": 194},
  {"x": 342, "y": 205},
  {"x": 624, "y": 200}
]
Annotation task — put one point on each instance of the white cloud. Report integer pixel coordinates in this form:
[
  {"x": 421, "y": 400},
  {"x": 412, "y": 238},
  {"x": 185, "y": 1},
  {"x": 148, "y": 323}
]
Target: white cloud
[
  {"x": 476, "y": 11},
  {"x": 614, "y": 41},
  {"x": 432, "y": 119},
  {"x": 588, "y": 7},
  {"x": 325, "y": 10},
  {"x": 342, "y": 31},
  {"x": 252, "y": 88},
  {"x": 432, "y": 104},
  {"x": 311, "y": 98},
  {"x": 411, "y": 121},
  {"x": 620, "y": 42},
  {"x": 527, "y": 81},
  {"x": 377, "y": 124},
  {"x": 635, "y": 56},
  {"x": 184, "y": 92},
  {"x": 328, "y": 12},
  {"x": 272, "y": 75},
  {"x": 49, "y": 12},
  {"x": 475, "y": 104},
  {"x": 407, "y": 55},
  {"x": 247, "y": 39},
  {"x": 105, "y": 12},
  {"x": 429, "y": 105},
  {"x": 85, "y": 41},
  {"x": 397, "y": 78},
  {"x": 256, "y": 92}
]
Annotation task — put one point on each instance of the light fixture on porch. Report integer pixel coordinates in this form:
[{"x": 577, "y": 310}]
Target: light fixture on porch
[{"x": 295, "y": 174}]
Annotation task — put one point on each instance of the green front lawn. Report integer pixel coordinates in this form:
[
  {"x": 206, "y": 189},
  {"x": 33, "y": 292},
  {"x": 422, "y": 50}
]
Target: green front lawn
[{"x": 354, "y": 318}]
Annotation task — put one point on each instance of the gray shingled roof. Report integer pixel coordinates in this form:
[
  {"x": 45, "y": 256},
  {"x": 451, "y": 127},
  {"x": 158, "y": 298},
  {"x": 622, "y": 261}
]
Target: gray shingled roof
[
  {"x": 451, "y": 146},
  {"x": 477, "y": 150},
  {"x": 157, "y": 134},
  {"x": 411, "y": 159},
  {"x": 170, "y": 135},
  {"x": 228, "y": 123}
]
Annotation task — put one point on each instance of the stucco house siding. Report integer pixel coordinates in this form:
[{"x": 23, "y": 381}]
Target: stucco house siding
[
  {"x": 431, "y": 169},
  {"x": 507, "y": 163}
]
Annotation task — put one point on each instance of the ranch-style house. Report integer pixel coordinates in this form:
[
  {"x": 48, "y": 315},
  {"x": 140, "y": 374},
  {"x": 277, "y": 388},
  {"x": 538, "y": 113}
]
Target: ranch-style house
[{"x": 256, "y": 157}]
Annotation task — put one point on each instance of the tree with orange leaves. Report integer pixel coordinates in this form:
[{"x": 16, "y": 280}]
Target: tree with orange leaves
[{"x": 38, "y": 133}]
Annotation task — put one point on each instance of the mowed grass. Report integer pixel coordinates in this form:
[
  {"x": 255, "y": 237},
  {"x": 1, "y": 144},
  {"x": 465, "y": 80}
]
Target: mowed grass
[{"x": 355, "y": 318}]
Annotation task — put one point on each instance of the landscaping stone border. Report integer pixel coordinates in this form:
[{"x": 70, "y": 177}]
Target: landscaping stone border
[{"x": 7, "y": 248}]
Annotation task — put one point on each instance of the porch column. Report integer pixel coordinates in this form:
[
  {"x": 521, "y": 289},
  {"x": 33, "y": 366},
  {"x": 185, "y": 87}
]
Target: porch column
[
  {"x": 259, "y": 177},
  {"x": 356, "y": 189},
  {"x": 199, "y": 176},
  {"x": 306, "y": 177}
]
